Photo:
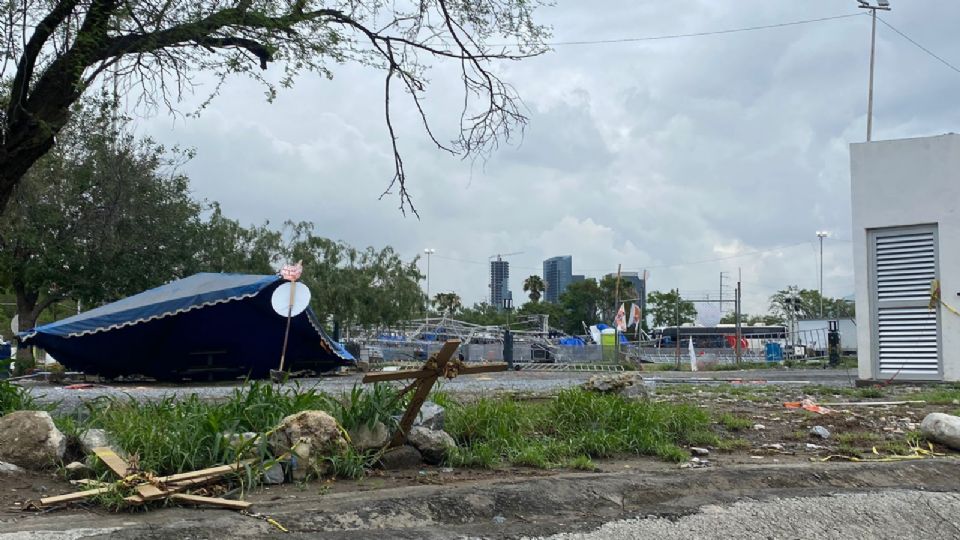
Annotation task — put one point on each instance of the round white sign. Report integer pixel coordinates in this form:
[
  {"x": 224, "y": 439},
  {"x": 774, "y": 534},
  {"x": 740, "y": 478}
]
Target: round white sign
[{"x": 282, "y": 299}]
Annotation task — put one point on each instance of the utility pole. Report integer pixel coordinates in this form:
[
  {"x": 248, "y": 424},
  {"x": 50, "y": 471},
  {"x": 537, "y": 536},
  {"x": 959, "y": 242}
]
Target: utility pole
[
  {"x": 722, "y": 274},
  {"x": 429, "y": 252},
  {"x": 821, "y": 235},
  {"x": 677, "y": 314},
  {"x": 883, "y": 5},
  {"x": 738, "y": 309}
]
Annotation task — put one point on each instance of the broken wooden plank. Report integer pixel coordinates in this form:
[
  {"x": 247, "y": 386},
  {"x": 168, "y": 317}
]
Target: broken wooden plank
[
  {"x": 212, "y": 501},
  {"x": 110, "y": 458},
  {"x": 212, "y": 471},
  {"x": 73, "y": 497},
  {"x": 398, "y": 375}
]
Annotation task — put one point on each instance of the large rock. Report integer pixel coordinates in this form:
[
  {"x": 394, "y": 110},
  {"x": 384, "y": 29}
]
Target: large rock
[
  {"x": 309, "y": 437},
  {"x": 366, "y": 437},
  {"x": 402, "y": 457},
  {"x": 431, "y": 416},
  {"x": 628, "y": 384},
  {"x": 31, "y": 440},
  {"x": 942, "y": 428},
  {"x": 432, "y": 444}
]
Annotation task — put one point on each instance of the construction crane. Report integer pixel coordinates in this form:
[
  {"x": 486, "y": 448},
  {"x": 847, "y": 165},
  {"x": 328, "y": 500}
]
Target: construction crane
[{"x": 500, "y": 256}]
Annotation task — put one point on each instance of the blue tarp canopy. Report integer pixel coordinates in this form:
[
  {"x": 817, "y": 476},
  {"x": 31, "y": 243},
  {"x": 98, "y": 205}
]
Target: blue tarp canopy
[{"x": 203, "y": 324}]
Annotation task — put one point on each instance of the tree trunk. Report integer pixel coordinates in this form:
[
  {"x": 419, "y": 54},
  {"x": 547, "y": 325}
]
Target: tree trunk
[{"x": 27, "y": 317}]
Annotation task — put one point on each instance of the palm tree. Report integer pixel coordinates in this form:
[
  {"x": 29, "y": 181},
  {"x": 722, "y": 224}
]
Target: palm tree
[
  {"x": 448, "y": 304},
  {"x": 535, "y": 286}
]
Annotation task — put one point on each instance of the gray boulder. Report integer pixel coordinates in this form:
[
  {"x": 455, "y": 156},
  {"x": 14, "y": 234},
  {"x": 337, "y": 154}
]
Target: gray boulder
[
  {"x": 432, "y": 416},
  {"x": 402, "y": 457},
  {"x": 9, "y": 468},
  {"x": 31, "y": 440},
  {"x": 432, "y": 444},
  {"x": 942, "y": 428},
  {"x": 309, "y": 437},
  {"x": 628, "y": 384},
  {"x": 77, "y": 470},
  {"x": 366, "y": 437}
]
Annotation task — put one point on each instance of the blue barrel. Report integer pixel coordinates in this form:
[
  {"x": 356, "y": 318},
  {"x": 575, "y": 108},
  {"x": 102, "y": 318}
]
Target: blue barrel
[{"x": 774, "y": 352}]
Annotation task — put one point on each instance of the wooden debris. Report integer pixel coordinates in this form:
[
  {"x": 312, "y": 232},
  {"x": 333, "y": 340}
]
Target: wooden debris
[
  {"x": 110, "y": 458},
  {"x": 438, "y": 365},
  {"x": 73, "y": 497}
]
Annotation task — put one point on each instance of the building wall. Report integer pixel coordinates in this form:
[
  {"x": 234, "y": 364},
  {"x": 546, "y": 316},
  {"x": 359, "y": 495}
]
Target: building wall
[
  {"x": 557, "y": 274},
  {"x": 499, "y": 283},
  {"x": 901, "y": 183}
]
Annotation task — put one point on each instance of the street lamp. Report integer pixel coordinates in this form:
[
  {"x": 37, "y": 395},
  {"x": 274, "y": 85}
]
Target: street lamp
[
  {"x": 821, "y": 235},
  {"x": 885, "y": 6},
  {"x": 429, "y": 252}
]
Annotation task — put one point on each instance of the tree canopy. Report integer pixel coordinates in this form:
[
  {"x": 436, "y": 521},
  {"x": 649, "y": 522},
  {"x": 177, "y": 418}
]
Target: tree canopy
[
  {"x": 153, "y": 50},
  {"x": 805, "y": 304},
  {"x": 534, "y": 286},
  {"x": 669, "y": 308}
]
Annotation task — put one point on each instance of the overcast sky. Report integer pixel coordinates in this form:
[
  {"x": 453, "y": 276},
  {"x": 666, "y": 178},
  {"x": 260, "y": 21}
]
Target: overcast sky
[{"x": 687, "y": 157}]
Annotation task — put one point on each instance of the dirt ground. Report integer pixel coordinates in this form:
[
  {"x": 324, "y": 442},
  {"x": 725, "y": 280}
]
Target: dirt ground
[{"x": 758, "y": 433}]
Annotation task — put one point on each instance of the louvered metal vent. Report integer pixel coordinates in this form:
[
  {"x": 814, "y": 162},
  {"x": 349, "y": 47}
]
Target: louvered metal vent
[{"x": 906, "y": 336}]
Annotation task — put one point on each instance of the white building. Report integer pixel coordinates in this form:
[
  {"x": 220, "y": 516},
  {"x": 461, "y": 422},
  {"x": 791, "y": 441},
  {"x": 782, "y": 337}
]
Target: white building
[{"x": 906, "y": 232}]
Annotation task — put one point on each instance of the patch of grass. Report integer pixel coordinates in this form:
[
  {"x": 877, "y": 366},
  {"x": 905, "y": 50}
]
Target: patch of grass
[
  {"x": 582, "y": 463},
  {"x": 363, "y": 406},
  {"x": 575, "y": 423},
  {"x": 729, "y": 445},
  {"x": 15, "y": 398},
  {"x": 941, "y": 395},
  {"x": 862, "y": 438},
  {"x": 351, "y": 464},
  {"x": 871, "y": 392},
  {"x": 170, "y": 436},
  {"x": 797, "y": 435},
  {"x": 733, "y": 422}
]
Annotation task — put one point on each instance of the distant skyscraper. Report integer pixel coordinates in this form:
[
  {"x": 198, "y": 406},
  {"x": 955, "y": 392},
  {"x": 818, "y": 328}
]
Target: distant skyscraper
[
  {"x": 499, "y": 282},
  {"x": 557, "y": 275}
]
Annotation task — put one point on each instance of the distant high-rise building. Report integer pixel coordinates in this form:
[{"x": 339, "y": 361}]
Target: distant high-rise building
[
  {"x": 557, "y": 276},
  {"x": 576, "y": 278},
  {"x": 499, "y": 282}
]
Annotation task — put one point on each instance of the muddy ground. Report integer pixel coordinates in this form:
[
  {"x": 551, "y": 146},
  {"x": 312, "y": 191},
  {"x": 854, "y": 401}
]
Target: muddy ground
[{"x": 766, "y": 450}]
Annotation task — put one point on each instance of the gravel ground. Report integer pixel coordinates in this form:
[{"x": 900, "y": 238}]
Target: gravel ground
[
  {"x": 885, "y": 514},
  {"x": 521, "y": 381}
]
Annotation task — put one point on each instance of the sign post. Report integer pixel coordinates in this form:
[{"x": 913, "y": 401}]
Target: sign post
[{"x": 289, "y": 299}]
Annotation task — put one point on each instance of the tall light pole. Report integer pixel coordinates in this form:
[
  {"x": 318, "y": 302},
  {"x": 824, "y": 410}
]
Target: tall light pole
[
  {"x": 883, "y": 5},
  {"x": 821, "y": 235},
  {"x": 429, "y": 252}
]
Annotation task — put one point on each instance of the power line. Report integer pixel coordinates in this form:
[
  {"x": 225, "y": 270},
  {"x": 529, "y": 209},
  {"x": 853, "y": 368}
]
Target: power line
[
  {"x": 701, "y": 34},
  {"x": 919, "y": 46}
]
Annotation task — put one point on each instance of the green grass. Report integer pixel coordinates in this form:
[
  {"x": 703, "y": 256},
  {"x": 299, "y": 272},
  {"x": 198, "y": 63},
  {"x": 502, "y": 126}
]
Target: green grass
[
  {"x": 733, "y": 422},
  {"x": 176, "y": 435},
  {"x": 15, "y": 398},
  {"x": 940, "y": 395},
  {"x": 729, "y": 445},
  {"x": 871, "y": 392},
  {"x": 574, "y": 424},
  {"x": 862, "y": 438}
]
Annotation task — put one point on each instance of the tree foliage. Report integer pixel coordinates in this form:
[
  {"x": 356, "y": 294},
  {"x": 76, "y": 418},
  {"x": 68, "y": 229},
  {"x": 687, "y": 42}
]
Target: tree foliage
[
  {"x": 103, "y": 215},
  {"x": 349, "y": 286},
  {"x": 669, "y": 308},
  {"x": 55, "y": 50},
  {"x": 534, "y": 286},
  {"x": 805, "y": 304},
  {"x": 448, "y": 303}
]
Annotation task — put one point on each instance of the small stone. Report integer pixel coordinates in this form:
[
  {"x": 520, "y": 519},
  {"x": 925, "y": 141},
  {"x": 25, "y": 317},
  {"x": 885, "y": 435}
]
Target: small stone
[
  {"x": 759, "y": 427},
  {"x": 774, "y": 446},
  {"x": 698, "y": 451},
  {"x": 820, "y": 431},
  {"x": 77, "y": 470},
  {"x": 499, "y": 520},
  {"x": 814, "y": 446},
  {"x": 9, "y": 468},
  {"x": 431, "y": 416},
  {"x": 403, "y": 457},
  {"x": 274, "y": 474}
]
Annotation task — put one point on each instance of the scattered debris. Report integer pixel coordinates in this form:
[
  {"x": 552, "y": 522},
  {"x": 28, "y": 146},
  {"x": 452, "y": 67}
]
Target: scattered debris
[
  {"x": 31, "y": 440},
  {"x": 811, "y": 446},
  {"x": 628, "y": 384},
  {"x": 698, "y": 451},
  {"x": 874, "y": 403},
  {"x": 695, "y": 463},
  {"x": 942, "y": 428},
  {"x": 759, "y": 427},
  {"x": 499, "y": 520},
  {"x": 9, "y": 468},
  {"x": 774, "y": 446},
  {"x": 807, "y": 405},
  {"x": 820, "y": 431}
]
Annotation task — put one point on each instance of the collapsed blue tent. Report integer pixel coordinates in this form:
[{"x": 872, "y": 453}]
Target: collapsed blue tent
[{"x": 203, "y": 326}]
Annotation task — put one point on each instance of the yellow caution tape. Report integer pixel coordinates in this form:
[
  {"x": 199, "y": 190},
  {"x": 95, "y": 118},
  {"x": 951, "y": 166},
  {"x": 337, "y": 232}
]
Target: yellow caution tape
[
  {"x": 276, "y": 524},
  {"x": 937, "y": 298}
]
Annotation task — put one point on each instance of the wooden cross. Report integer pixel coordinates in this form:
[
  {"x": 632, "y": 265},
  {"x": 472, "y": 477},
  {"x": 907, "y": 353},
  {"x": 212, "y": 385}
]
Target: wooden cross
[{"x": 438, "y": 365}]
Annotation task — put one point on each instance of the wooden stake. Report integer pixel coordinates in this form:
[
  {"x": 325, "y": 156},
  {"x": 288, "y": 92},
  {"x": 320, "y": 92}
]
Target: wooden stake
[{"x": 213, "y": 501}]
